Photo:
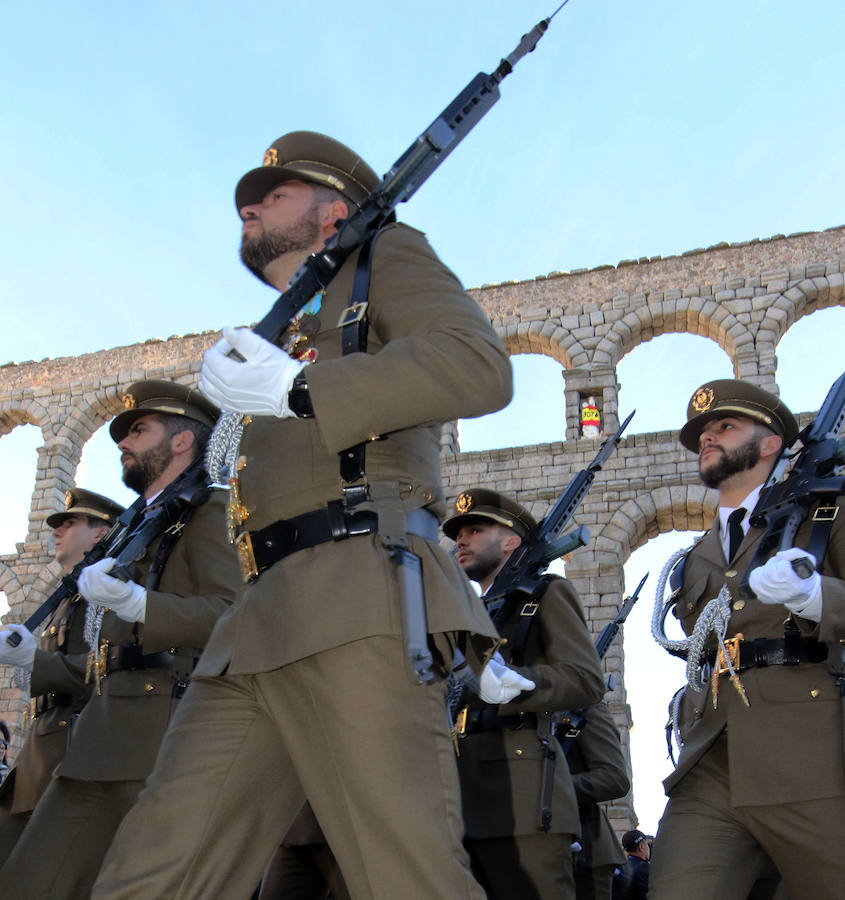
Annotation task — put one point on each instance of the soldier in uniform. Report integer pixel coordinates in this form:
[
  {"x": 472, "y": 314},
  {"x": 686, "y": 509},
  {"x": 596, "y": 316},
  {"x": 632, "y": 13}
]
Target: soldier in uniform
[
  {"x": 149, "y": 639},
  {"x": 501, "y": 759},
  {"x": 58, "y": 693},
  {"x": 337, "y": 473},
  {"x": 760, "y": 775},
  {"x": 599, "y": 774}
]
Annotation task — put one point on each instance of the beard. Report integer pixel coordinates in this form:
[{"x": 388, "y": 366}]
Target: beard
[
  {"x": 483, "y": 563},
  {"x": 731, "y": 462},
  {"x": 259, "y": 251},
  {"x": 142, "y": 469}
]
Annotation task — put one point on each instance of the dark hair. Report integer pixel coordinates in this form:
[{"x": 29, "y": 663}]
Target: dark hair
[{"x": 175, "y": 424}]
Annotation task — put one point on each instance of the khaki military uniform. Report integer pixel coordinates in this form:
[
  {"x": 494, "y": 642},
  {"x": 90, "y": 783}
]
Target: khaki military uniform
[
  {"x": 302, "y": 688},
  {"x": 599, "y": 774},
  {"x": 59, "y": 692},
  {"x": 501, "y": 761},
  {"x": 117, "y": 735},
  {"x": 767, "y": 778}
]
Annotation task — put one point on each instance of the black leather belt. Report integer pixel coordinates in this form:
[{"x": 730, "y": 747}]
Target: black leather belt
[
  {"x": 490, "y": 720},
  {"x": 130, "y": 657},
  {"x": 50, "y": 701},
  {"x": 788, "y": 651},
  {"x": 258, "y": 550}
]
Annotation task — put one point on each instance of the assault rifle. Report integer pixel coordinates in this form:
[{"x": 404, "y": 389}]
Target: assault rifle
[
  {"x": 525, "y": 566},
  {"x": 406, "y": 175},
  {"x": 813, "y": 479},
  {"x": 128, "y": 539},
  {"x": 566, "y": 725}
]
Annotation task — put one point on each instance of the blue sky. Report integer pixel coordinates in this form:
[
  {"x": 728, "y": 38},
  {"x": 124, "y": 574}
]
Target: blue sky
[{"x": 633, "y": 130}]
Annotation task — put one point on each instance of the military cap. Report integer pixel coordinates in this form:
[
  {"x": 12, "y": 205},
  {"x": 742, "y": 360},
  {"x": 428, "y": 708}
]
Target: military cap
[
  {"x": 79, "y": 502},
  {"x": 479, "y": 503},
  {"x": 308, "y": 156},
  {"x": 145, "y": 397},
  {"x": 632, "y": 839},
  {"x": 728, "y": 397}
]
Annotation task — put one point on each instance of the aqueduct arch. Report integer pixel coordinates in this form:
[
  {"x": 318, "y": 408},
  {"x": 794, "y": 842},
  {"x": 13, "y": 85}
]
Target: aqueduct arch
[{"x": 743, "y": 296}]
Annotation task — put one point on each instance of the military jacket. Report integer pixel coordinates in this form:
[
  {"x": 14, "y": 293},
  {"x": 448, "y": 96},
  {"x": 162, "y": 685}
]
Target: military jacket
[
  {"x": 599, "y": 774},
  {"x": 431, "y": 357},
  {"x": 117, "y": 735},
  {"x": 501, "y": 769},
  {"x": 47, "y": 739},
  {"x": 795, "y": 712}
]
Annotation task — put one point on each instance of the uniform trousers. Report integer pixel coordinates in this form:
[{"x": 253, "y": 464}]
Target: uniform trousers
[
  {"x": 527, "y": 866},
  {"x": 11, "y": 827},
  {"x": 706, "y": 849},
  {"x": 303, "y": 872},
  {"x": 345, "y": 727},
  {"x": 63, "y": 845},
  {"x": 594, "y": 883}
]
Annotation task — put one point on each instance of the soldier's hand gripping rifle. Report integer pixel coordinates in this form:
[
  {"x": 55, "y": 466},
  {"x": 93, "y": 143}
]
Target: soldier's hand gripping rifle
[
  {"x": 522, "y": 572},
  {"x": 813, "y": 479},
  {"x": 406, "y": 175},
  {"x": 128, "y": 539}
]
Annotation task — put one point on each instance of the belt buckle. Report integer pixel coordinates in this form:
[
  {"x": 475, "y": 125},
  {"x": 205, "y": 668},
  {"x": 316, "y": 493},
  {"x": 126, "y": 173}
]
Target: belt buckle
[
  {"x": 826, "y": 513},
  {"x": 352, "y": 314},
  {"x": 732, "y": 646},
  {"x": 246, "y": 556}
]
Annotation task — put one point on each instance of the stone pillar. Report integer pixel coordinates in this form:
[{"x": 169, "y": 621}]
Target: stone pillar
[{"x": 595, "y": 381}]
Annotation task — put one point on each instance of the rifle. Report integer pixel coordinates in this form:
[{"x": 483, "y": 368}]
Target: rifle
[
  {"x": 524, "y": 568},
  {"x": 784, "y": 505},
  {"x": 128, "y": 539},
  {"x": 406, "y": 175},
  {"x": 574, "y": 720}
]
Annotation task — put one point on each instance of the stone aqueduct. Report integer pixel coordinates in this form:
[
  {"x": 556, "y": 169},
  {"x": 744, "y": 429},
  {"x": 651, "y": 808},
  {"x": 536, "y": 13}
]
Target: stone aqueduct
[{"x": 742, "y": 296}]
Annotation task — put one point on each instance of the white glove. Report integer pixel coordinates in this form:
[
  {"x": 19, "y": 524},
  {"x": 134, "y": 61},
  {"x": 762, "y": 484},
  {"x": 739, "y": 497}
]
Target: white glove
[
  {"x": 778, "y": 582},
  {"x": 127, "y": 599},
  {"x": 500, "y": 684},
  {"x": 259, "y": 386},
  {"x": 24, "y": 653}
]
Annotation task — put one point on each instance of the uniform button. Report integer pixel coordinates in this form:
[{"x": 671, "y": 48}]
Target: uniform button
[
  {"x": 814, "y": 693},
  {"x": 53, "y": 629},
  {"x": 731, "y": 573},
  {"x": 740, "y": 604},
  {"x": 427, "y": 496},
  {"x": 690, "y": 606},
  {"x": 62, "y": 724},
  {"x": 518, "y": 752},
  {"x": 44, "y": 634},
  {"x": 149, "y": 688},
  {"x": 241, "y": 463}
]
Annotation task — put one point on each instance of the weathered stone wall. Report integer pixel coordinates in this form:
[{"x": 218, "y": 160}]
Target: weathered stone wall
[{"x": 743, "y": 296}]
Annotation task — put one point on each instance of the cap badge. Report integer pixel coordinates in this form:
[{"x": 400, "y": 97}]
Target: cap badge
[
  {"x": 271, "y": 157},
  {"x": 702, "y": 399},
  {"x": 463, "y": 504},
  {"x": 68, "y": 499},
  {"x": 128, "y": 401}
]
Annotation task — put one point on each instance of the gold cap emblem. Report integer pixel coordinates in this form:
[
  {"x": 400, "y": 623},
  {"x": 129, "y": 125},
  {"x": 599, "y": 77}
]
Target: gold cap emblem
[
  {"x": 68, "y": 499},
  {"x": 271, "y": 157},
  {"x": 128, "y": 401},
  {"x": 463, "y": 504},
  {"x": 702, "y": 400}
]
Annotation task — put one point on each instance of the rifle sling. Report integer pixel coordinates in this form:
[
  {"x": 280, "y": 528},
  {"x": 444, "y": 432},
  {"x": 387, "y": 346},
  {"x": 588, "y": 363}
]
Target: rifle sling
[
  {"x": 823, "y": 518},
  {"x": 527, "y": 612},
  {"x": 353, "y": 339}
]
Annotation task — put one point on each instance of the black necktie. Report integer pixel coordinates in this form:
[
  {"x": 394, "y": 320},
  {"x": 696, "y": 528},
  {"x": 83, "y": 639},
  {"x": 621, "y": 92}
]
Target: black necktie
[{"x": 735, "y": 532}]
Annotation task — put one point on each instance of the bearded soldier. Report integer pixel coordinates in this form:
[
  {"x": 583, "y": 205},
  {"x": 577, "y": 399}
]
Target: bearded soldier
[
  {"x": 146, "y": 645},
  {"x": 760, "y": 775}
]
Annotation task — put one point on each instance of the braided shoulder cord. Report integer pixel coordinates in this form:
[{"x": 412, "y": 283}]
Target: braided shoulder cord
[{"x": 714, "y": 619}]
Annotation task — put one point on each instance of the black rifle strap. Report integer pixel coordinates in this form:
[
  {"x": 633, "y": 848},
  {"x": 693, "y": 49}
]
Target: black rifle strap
[
  {"x": 165, "y": 548},
  {"x": 353, "y": 339},
  {"x": 526, "y": 610},
  {"x": 823, "y": 518}
]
